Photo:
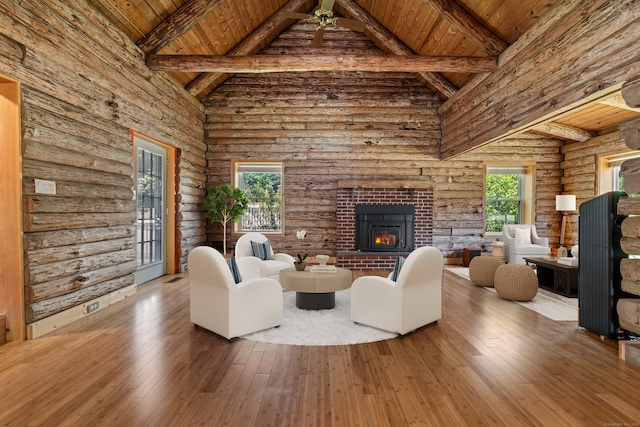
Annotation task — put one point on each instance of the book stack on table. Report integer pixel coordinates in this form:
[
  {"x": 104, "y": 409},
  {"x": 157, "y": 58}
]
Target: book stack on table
[
  {"x": 568, "y": 261},
  {"x": 323, "y": 269}
]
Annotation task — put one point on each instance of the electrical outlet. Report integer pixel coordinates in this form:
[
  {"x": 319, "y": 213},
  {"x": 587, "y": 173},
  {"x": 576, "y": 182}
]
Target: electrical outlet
[{"x": 92, "y": 307}]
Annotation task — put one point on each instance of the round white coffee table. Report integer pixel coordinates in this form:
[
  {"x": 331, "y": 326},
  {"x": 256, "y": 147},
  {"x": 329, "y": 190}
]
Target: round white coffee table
[{"x": 315, "y": 291}]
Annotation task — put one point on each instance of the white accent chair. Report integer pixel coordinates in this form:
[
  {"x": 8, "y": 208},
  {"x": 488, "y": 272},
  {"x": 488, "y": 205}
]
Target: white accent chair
[
  {"x": 267, "y": 268},
  {"x": 414, "y": 300},
  {"x": 224, "y": 307},
  {"x": 520, "y": 244}
]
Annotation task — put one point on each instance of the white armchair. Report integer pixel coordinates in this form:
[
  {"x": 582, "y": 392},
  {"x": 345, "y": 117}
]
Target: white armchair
[
  {"x": 224, "y": 307},
  {"x": 522, "y": 241},
  {"x": 414, "y": 300},
  {"x": 267, "y": 268}
]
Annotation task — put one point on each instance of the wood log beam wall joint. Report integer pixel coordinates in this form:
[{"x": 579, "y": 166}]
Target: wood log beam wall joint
[
  {"x": 629, "y": 131},
  {"x": 267, "y": 32},
  {"x": 631, "y": 92},
  {"x": 176, "y": 24},
  {"x": 386, "y": 41}
]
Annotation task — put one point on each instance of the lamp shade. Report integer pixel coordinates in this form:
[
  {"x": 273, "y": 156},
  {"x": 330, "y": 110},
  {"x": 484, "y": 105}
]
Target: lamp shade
[{"x": 566, "y": 202}]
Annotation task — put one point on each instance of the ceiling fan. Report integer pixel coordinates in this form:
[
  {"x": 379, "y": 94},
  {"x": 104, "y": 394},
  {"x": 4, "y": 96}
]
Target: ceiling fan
[{"x": 323, "y": 16}]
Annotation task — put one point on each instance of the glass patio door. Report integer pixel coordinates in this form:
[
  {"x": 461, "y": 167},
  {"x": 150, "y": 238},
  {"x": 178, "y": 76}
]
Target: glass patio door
[{"x": 151, "y": 172}]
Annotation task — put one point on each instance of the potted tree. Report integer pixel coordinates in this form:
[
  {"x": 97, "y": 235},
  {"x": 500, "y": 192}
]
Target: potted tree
[{"x": 223, "y": 204}]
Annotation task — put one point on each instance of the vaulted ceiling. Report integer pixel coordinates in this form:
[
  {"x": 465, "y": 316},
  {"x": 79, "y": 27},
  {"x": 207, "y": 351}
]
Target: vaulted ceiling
[{"x": 444, "y": 42}]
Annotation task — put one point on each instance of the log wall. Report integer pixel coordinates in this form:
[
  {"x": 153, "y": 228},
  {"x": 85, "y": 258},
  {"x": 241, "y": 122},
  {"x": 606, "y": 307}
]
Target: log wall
[
  {"x": 364, "y": 128},
  {"x": 85, "y": 86},
  {"x": 628, "y": 307},
  {"x": 580, "y": 173},
  {"x": 555, "y": 67}
]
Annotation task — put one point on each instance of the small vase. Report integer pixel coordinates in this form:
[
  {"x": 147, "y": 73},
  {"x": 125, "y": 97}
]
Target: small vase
[{"x": 300, "y": 266}]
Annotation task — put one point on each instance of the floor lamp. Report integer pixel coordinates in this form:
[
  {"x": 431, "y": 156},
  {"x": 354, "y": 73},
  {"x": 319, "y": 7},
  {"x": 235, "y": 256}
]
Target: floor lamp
[{"x": 565, "y": 203}]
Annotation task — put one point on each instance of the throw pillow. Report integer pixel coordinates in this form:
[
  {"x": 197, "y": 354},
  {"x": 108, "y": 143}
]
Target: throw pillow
[
  {"x": 235, "y": 271},
  {"x": 397, "y": 267},
  {"x": 523, "y": 236},
  {"x": 261, "y": 250}
]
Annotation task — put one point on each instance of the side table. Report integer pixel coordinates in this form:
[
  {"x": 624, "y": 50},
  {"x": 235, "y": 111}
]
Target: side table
[
  {"x": 498, "y": 249},
  {"x": 468, "y": 254}
]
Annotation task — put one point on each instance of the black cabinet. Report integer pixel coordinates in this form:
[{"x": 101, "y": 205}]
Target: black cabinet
[{"x": 600, "y": 256}]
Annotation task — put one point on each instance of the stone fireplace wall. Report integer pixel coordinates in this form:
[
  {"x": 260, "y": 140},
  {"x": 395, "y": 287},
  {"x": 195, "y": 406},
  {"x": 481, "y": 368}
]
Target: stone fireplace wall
[{"x": 347, "y": 198}]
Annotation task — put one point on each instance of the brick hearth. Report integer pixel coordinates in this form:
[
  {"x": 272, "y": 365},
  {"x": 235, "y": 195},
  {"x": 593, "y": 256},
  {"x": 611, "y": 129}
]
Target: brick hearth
[{"x": 347, "y": 198}]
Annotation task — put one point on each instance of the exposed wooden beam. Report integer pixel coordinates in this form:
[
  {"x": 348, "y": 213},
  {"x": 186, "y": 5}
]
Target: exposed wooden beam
[
  {"x": 385, "y": 40},
  {"x": 178, "y": 23},
  {"x": 264, "y": 34},
  {"x": 564, "y": 132},
  {"x": 312, "y": 62},
  {"x": 471, "y": 28}
]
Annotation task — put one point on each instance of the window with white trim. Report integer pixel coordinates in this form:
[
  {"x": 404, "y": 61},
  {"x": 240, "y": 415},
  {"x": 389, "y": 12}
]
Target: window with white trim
[
  {"x": 609, "y": 171},
  {"x": 509, "y": 194},
  {"x": 262, "y": 182}
]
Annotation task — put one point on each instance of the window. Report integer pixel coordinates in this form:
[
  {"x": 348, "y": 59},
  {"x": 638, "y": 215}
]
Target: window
[
  {"x": 508, "y": 195},
  {"x": 609, "y": 171},
  {"x": 262, "y": 183}
]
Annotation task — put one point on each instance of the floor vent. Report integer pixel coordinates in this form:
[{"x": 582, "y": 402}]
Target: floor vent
[{"x": 175, "y": 279}]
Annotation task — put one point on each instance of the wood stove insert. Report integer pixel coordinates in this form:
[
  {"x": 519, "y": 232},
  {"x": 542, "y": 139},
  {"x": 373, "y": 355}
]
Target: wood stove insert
[{"x": 384, "y": 228}]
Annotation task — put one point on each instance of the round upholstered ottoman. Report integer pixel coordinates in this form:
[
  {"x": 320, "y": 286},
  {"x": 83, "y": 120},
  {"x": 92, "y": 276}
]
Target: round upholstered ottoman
[
  {"x": 483, "y": 268},
  {"x": 516, "y": 282}
]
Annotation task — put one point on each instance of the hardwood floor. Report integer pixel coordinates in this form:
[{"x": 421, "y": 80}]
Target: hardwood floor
[{"x": 488, "y": 362}]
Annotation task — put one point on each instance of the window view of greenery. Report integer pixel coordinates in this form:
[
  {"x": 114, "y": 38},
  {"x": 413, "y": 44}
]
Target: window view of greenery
[
  {"x": 149, "y": 198},
  {"x": 503, "y": 200},
  {"x": 263, "y": 189}
]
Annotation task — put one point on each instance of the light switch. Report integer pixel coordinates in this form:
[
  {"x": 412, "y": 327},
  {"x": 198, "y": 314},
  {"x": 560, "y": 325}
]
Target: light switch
[{"x": 45, "y": 187}]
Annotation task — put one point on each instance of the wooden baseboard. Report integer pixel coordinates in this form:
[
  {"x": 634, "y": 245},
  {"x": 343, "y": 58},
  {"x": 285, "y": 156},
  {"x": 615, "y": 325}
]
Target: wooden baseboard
[{"x": 51, "y": 323}]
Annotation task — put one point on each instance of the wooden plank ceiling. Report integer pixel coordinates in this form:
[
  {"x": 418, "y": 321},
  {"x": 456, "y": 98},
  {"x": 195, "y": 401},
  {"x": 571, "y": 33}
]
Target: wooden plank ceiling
[{"x": 444, "y": 42}]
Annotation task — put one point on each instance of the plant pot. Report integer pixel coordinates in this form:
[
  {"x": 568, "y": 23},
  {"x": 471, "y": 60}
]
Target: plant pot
[{"x": 300, "y": 266}]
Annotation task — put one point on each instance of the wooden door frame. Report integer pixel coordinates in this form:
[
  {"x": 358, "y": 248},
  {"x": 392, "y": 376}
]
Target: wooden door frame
[{"x": 11, "y": 228}]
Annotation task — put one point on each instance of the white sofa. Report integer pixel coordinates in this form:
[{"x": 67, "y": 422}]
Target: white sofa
[
  {"x": 516, "y": 251},
  {"x": 266, "y": 268},
  {"x": 414, "y": 300},
  {"x": 224, "y": 307}
]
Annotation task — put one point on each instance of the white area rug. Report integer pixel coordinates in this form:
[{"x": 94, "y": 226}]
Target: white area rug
[
  {"x": 319, "y": 327},
  {"x": 549, "y": 304}
]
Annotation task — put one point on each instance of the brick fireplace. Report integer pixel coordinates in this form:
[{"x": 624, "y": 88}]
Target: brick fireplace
[{"x": 347, "y": 198}]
